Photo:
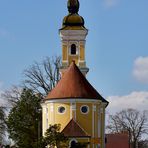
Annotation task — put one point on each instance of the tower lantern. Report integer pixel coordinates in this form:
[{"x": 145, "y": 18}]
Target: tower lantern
[{"x": 73, "y": 34}]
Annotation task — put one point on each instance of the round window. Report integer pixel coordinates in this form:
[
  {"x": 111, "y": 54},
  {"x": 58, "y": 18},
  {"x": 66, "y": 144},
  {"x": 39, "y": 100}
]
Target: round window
[
  {"x": 61, "y": 109},
  {"x": 84, "y": 109}
]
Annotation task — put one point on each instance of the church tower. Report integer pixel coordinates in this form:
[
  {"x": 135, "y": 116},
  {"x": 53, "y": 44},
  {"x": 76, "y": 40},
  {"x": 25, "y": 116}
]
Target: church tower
[
  {"x": 73, "y": 34},
  {"x": 74, "y": 103}
]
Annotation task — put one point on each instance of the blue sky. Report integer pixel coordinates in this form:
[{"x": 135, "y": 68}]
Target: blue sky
[{"x": 116, "y": 46}]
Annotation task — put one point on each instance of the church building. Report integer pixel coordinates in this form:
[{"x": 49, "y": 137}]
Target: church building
[{"x": 74, "y": 102}]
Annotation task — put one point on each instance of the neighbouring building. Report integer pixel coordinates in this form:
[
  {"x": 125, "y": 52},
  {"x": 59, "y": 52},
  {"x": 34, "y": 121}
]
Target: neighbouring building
[
  {"x": 117, "y": 140},
  {"x": 74, "y": 103}
]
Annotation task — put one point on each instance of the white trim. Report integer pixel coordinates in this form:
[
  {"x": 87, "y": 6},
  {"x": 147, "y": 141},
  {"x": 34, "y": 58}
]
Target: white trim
[
  {"x": 82, "y": 138},
  {"x": 87, "y": 109},
  {"x": 47, "y": 116},
  {"x": 70, "y": 110},
  {"x": 73, "y": 100},
  {"x": 73, "y": 34},
  {"x": 47, "y": 123},
  {"x": 73, "y": 139},
  {"x": 79, "y": 53},
  {"x": 99, "y": 122},
  {"x": 94, "y": 108},
  {"x": 104, "y": 128},
  {"x": 75, "y": 117},
  {"x": 52, "y": 112},
  {"x": 92, "y": 122},
  {"x": 101, "y": 110},
  {"x": 46, "y": 110},
  {"x": 68, "y": 51},
  {"x": 77, "y": 48},
  {"x": 51, "y": 107},
  {"x": 93, "y": 128},
  {"x": 73, "y": 106},
  {"x": 47, "y": 113}
]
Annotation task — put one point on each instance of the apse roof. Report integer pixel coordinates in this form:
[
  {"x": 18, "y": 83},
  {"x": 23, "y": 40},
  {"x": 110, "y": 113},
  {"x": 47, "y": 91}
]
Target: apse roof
[
  {"x": 73, "y": 84},
  {"x": 73, "y": 129}
]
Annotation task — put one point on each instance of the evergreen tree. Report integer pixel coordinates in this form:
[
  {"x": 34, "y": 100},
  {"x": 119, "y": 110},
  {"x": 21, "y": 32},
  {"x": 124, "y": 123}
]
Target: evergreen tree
[
  {"x": 2, "y": 124},
  {"x": 23, "y": 120},
  {"x": 53, "y": 137}
]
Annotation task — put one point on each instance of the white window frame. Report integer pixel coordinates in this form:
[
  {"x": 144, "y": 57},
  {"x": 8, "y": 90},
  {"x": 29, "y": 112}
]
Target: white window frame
[
  {"x": 60, "y": 107},
  {"x": 87, "y": 109}
]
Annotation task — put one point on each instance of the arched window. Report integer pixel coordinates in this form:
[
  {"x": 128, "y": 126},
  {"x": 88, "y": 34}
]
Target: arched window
[
  {"x": 73, "y": 49},
  {"x": 73, "y": 143}
]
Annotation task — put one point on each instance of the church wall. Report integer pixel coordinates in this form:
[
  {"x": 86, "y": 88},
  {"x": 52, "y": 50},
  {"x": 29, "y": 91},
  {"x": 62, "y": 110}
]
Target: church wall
[
  {"x": 73, "y": 58},
  {"x": 63, "y": 118},
  {"x": 85, "y": 120},
  {"x": 82, "y": 53},
  {"x": 93, "y": 122},
  {"x": 64, "y": 53}
]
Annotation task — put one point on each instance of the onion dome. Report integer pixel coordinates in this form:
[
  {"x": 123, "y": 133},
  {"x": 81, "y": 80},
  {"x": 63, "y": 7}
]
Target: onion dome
[
  {"x": 73, "y": 84},
  {"x": 73, "y": 18}
]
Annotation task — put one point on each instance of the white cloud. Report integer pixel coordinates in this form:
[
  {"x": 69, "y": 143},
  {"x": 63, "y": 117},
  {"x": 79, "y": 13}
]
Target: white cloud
[
  {"x": 111, "y": 3},
  {"x": 135, "y": 100},
  {"x": 140, "y": 71}
]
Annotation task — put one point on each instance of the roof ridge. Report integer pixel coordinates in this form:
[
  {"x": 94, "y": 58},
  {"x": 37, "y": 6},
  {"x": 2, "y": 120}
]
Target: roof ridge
[
  {"x": 80, "y": 127},
  {"x": 73, "y": 129}
]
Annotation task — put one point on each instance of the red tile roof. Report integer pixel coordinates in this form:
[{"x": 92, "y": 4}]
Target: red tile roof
[
  {"x": 73, "y": 129},
  {"x": 117, "y": 140},
  {"x": 73, "y": 84}
]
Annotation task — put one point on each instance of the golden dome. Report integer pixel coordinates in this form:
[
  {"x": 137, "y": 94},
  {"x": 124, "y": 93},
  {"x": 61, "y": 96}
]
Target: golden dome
[{"x": 73, "y": 20}]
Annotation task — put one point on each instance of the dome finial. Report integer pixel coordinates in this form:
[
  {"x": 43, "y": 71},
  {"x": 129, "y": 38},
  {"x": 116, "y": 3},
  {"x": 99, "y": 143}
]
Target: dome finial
[{"x": 73, "y": 6}]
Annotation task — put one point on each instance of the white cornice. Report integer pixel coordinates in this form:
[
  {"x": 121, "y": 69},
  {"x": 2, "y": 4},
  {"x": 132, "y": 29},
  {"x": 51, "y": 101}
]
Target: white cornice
[
  {"x": 73, "y": 100},
  {"x": 73, "y": 34}
]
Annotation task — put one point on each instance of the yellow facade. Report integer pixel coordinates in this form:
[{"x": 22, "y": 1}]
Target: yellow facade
[
  {"x": 89, "y": 121},
  {"x": 79, "y": 57}
]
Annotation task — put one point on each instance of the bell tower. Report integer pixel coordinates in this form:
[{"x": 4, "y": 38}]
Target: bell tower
[{"x": 73, "y": 34}]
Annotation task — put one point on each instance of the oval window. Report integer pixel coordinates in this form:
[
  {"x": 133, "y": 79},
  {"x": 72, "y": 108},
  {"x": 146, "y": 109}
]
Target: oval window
[
  {"x": 61, "y": 109},
  {"x": 84, "y": 109}
]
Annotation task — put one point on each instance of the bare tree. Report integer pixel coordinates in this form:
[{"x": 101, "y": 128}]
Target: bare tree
[
  {"x": 42, "y": 77},
  {"x": 131, "y": 120},
  {"x": 143, "y": 144},
  {"x": 39, "y": 77},
  {"x": 12, "y": 95}
]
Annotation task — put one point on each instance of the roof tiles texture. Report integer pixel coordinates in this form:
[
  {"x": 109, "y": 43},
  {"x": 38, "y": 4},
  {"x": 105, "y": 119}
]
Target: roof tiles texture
[
  {"x": 73, "y": 84},
  {"x": 73, "y": 129},
  {"x": 119, "y": 140}
]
